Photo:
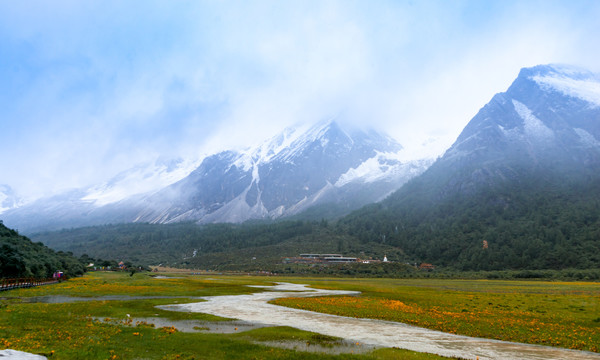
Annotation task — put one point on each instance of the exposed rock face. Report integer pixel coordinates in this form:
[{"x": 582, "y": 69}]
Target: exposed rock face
[
  {"x": 548, "y": 121},
  {"x": 290, "y": 173},
  {"x": 286, "y": 175}
]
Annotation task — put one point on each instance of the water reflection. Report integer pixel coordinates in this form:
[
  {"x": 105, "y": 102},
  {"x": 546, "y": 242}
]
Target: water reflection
[
  {"x": 61, "y": 299},
  {"x": 188, "y": 326}
]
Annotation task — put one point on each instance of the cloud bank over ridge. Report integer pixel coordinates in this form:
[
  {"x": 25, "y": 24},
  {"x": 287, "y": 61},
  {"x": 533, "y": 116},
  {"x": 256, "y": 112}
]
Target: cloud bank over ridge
[{"x": 92, "y": 88}]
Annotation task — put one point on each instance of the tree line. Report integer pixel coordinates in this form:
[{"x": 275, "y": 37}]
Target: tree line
[
  {"x": 20, "y": 257},
  {"x": 532, "y": 224}
]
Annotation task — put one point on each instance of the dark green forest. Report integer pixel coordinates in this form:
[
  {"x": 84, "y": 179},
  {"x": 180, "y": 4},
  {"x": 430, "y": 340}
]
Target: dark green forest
[
  {"x": 537, "y": 224},
  {"x": 250, "y": 246},
  {"x": 20, "y": 257},
  {"x": 532, "y": 227}
]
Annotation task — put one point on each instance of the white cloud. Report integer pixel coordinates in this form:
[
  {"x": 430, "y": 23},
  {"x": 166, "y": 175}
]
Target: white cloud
[{"x": 92, "y": 88}]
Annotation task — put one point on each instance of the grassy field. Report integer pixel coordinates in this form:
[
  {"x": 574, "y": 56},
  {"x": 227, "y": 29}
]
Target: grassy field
[
  {"x": 548, "y": 313},
  {"x": 77, "y": 331}
]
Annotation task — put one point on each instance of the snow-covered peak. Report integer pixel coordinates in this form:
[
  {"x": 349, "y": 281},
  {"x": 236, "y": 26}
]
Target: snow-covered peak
[
  {"x": 287, "y": 144},
  {"x": 570, "y": 81},
  {"x": 265, "y": 151},
  {"x": 317, "y": 133},
  {"x": 144, "y": 178},
  {"x": 567, "y": 70}
]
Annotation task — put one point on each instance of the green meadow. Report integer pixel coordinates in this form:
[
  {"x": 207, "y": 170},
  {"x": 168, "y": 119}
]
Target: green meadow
[
  {"x": 566, "y": 314},
  {"x": 101, "y": 329},
  {"x": 561, "y": 314}
]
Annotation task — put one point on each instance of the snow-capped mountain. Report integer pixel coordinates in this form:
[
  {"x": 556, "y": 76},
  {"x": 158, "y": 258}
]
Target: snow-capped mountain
[
  {"x": 98, "y": 204},
  {"x": 548, "y": 119},
  {"x": 141, "y": 179},
  {"x": 545, "y": 126},
  {"x": 296, "y": 170},
  {"x": 291, "y": 172},
  {"x": 518, "y": 189},
  {"x": 8, "y": 198}
]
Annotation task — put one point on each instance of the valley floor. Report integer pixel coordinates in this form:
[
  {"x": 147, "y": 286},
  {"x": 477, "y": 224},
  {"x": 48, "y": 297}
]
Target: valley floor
[
  {"x": 110, "y": 327},
  {"x": 256, "y": 309}
]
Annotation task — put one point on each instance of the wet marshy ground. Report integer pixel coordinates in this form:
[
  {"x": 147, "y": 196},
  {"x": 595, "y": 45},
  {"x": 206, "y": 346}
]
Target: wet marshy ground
[{"x": 255, "y": 308}]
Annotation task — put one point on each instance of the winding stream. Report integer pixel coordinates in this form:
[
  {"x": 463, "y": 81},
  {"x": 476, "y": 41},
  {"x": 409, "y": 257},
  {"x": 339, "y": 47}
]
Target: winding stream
[{"x": 255, "y": 308}]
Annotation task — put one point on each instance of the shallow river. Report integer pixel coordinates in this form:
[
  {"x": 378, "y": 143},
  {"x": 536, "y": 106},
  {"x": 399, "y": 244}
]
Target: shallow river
[{"x": 254, "y": 308}]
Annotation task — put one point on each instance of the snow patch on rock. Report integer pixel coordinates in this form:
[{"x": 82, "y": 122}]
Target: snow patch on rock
[
  {"x": 587, "y": 89},
  {"x": 533, "y": 126},
  {"x": 383, "y": 167},
  {"x": 587, "y": 139}
]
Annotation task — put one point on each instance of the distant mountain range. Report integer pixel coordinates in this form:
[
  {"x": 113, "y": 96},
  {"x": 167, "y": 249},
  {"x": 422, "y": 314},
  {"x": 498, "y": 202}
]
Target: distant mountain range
[
  {"x": 326, "y": 165},
  {"x": 519, "y": 189}
]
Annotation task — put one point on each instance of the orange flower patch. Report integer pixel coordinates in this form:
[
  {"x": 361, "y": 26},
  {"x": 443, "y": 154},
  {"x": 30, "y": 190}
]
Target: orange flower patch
[{"x": 454, "y": 316}]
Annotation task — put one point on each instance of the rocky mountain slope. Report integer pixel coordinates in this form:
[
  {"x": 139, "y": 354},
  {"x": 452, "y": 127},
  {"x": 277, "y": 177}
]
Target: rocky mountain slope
[
  {"x": 548, "y": 120},
  {"x": 286, "y": 175},
  {"x": 520, "y": 187},
  {"x": 320, "y": 165}
]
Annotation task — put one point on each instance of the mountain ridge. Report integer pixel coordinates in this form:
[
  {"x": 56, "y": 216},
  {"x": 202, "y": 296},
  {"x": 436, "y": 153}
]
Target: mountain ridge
[
  {"x": 519, "y": 189},
  {"x": 524, "y": 175},
  {"x": 279, "y": 177}
]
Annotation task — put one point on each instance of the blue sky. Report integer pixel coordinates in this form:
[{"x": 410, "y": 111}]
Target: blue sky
[{"x": 91, "y": 88}]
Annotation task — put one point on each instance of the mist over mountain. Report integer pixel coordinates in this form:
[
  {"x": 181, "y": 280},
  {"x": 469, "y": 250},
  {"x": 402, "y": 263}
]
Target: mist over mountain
[
  {"x": 326, "y": 165},
  {"x": 8, "y": 198},
  {"x": 524, "y": 175},
  {"x": 519, "y": 189},
  {"x": 548, "y": 120},
  {"x": 142, "y": 179},
  {"x": 285, "y": 175},
  {"x": 97, "y": 204}
]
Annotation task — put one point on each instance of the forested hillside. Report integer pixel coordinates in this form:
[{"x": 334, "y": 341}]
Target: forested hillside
[
  {"x": 20, "y": 257},
  {"x": 519, "y": 189},
  {"x": 535, "y": 225},
  {"x": 213, "y": 245}
]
